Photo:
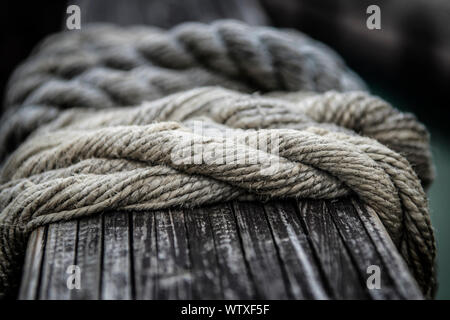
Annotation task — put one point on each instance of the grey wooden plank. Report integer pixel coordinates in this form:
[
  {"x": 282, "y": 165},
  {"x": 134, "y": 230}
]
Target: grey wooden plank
[
  {"x": 403, "y": 282},
  {"x": 234, "y": 274},
  {"x": 59, "y": 255},
  {"x": 335, "y": 262},
  {"x": 32, "y": 265},
  {"x": 116, "y": 280},
  {"x": 297, "y": 258},
  {"x": 260, "y": 251},
  {"x": 174, "y": 276},
  {"x": 206, "y": 282},
  {"x": 239, "y": 250},
  {"x": 144, "y": 254},
  {"x": 361, "y": 248},
  {"x": 88, "y": 258}
]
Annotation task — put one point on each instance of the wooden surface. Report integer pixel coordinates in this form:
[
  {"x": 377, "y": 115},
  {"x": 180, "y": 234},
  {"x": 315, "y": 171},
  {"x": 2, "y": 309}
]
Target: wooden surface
[{"x": 241, "y": 250}]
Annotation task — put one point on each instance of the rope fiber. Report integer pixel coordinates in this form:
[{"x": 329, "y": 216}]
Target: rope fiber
[{"x": 142, "y": 118}]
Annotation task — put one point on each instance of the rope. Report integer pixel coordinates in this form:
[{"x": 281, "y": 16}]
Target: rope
[
  {"x": 207, "y": 144},
  {"x": 106, "y": 66}
]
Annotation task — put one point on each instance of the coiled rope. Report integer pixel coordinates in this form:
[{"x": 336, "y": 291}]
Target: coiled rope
[
  {"x": 85, "y": 154},
  {"x": 105, "y": 66}
]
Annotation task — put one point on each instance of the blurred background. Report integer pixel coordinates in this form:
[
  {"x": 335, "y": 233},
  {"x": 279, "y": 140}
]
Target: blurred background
[{"x": 406, "y": 62}]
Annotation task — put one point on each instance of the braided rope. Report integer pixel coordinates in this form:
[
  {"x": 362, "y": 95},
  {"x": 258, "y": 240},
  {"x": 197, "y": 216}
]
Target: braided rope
[{"x": 81, "y": 161}]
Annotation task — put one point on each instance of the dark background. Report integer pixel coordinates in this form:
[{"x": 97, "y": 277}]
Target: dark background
[{"x": 407, "y": 62}]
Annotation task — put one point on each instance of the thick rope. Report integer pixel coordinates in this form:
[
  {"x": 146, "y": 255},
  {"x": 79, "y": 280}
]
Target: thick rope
[
  {"x": 105, "y": 66},
  {"x": 212, "y": 144}
]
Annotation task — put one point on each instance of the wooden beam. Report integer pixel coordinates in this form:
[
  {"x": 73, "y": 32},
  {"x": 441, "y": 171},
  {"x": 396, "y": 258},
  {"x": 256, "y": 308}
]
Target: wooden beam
[{"x": 310, "y": 249}]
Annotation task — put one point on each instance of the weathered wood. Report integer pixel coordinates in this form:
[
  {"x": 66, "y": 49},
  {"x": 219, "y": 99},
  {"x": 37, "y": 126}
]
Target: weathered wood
[
  {"x": 173, "y": 273},
  {"x": 333, "y": 257},
  {"x": 59, "y": 255},
  {"x": 235, "y": 277},
  {"x": 296, "y": 256},
  {"x": 360, "y": 246},
  {"x": 144, "y": 255},
  {"x": 364, "y": 250},
  {"x": 205, "y": 269},
  {"x": 260, "y": 251},
  {"x": 282, "y": 249},
  {"x": 89, "y": 257},
  {"x": 406, "y": 286},
  {"x": 33, "y": 262},
  {"x": 116, "y": 279}
]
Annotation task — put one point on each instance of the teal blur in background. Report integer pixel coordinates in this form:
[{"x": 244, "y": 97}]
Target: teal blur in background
[{"x": 439, "y": 206}]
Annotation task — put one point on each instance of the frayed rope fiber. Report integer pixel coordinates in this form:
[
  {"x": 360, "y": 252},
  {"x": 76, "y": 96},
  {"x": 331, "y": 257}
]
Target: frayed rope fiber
[{"x": 83, "y": 148}]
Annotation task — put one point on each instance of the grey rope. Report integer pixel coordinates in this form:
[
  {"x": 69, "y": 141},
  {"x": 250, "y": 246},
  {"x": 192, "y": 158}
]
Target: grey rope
[
  {"x": 318, "y": 145},
  {"x": 105, "y": 66}
]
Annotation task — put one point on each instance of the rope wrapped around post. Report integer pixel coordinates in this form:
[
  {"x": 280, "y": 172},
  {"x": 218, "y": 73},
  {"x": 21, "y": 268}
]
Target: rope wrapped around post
[{"x": 85, "y": 152}]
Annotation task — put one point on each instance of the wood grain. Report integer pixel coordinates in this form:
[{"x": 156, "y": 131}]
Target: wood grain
[
  {"x": 33, "y": 262},
  {"x": 332, "y": 254},
  {"x": 144, "y": 255},
  {"x": 59, "y": 254},
  {"x": 309, "y": 249},
  {"x": 89, "y": 257},
  {"x": 205, "y": 269},
  {"x": 116, "y": 276},
  {"x": 234, "y": 274},
  {"x": 173, "y": 274},
  {"x": 407, "y": 287},
  {"x": 297, "y": 259},
  {"x": 260, "y": 251}
]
